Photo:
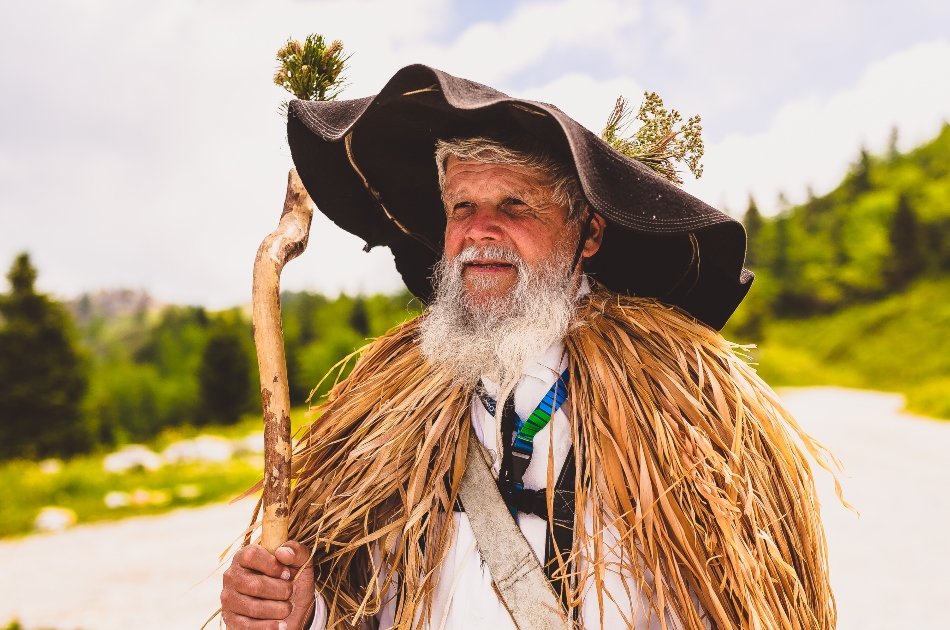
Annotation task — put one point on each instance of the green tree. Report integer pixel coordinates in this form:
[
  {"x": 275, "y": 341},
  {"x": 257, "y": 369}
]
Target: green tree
[
  {"x": 780, "y": 263},
  {"x": 783, "y": 203},
  {"x": 836, "y": 233},
  {"x": 780, "y": 255},
  {"x": 938, "y": 242},
  {"x": 43, "y": 375},
  {"x": 813, "y": 211},
  {"x": 893, "y": 153},
  {"x": 907, "y": 259},
  {"x": 752, "y": 220},
  {"x": 359, "y": 317},
  {"x": 859, "y": 179},
  {"x": 224, "y": 376}
]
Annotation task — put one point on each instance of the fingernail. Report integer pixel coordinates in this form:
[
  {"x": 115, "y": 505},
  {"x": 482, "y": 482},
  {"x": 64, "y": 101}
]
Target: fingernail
[
  {"x": 285, "y": 575},
  {"x": 282, "y": 625}
]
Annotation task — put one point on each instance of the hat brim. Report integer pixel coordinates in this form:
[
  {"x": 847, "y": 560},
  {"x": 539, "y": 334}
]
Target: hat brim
[{"x": 369, "y": 166}]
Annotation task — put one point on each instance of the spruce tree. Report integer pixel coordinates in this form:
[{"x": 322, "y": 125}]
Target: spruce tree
[
  {"x": 836, "y": 232},
  {"x": 780, "y": 264},
  {"x": 892, "y": 151},
  {"x": 224, "y": 376},
  {"x": 907, "y": 259},
  {"x": 859, "y": 179},
  {"x": 359, "y": 318},
  {"x": 43, "y": 375},
  {"x": 752, "y": 220}
]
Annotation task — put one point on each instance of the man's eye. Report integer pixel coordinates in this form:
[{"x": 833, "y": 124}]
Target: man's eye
[
  {"x": 461, "y": 209},
  {"x": 516, "y": 207}
]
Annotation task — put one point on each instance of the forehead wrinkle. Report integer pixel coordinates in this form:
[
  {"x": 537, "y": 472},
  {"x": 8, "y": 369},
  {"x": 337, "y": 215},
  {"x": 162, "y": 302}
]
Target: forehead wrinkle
[{"x": 534, "y": 195}]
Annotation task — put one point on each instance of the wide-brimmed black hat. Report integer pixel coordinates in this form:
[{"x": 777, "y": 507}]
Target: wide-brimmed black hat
[{"x": 369, "y": 166}]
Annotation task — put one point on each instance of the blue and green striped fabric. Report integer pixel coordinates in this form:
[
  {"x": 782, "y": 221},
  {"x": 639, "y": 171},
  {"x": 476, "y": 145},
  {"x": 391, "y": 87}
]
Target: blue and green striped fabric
[{"x": 525, "y": 430}]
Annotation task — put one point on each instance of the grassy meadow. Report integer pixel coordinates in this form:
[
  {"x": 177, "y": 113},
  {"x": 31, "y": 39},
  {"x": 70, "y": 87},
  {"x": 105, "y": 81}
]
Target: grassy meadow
[
  {"x": 900, "y": 344},
  {"x": 81, "y": 484}
]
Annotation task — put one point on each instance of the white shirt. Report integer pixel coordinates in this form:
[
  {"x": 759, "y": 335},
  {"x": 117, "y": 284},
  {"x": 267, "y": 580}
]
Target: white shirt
[{"x": 464, "y": 597}]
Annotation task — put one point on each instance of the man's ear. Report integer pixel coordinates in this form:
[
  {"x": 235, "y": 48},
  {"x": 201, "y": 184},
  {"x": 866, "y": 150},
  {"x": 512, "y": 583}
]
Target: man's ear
[{"x": 595, "y": 235}]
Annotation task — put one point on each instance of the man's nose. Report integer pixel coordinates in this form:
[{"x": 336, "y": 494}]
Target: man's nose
[{"x": 484, "y": 225}]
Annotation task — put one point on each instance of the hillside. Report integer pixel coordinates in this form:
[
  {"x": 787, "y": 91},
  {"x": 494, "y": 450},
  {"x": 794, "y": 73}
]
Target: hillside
[
  {"x": 885, "y": 224},
  {"x": 899, "y": 343},
  {"x": 853, "y": 287}
]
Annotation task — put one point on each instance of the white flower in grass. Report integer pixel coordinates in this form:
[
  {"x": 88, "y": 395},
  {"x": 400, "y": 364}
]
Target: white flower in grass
[
  {"x": 51, "y": 466},
  {"x": 117, "y": 499},
  {"x": 204, "y": 448},
  {"x": 131, "y": 457},
  {"x": 54, "y": 519}
]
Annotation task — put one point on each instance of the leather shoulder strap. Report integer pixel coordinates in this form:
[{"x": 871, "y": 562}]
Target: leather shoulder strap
[{"x": 519, "y": 579}]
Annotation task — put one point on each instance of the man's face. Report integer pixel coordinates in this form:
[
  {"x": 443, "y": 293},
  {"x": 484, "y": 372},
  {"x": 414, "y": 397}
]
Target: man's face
[{"x": 504, "y": 206}]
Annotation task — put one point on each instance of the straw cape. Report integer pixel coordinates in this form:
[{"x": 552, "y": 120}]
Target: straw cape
[{"x": 687, "y": 458}]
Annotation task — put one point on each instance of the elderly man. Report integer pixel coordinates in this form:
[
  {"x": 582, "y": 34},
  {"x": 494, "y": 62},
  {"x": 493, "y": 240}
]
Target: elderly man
[{"x": 656, "y": 480}]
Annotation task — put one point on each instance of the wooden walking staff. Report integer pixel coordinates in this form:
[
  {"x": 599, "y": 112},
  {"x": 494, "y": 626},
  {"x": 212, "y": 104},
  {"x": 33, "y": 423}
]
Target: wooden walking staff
[
  {"x": 311, "y": 70},
  {"x": 281, "y": 246}
]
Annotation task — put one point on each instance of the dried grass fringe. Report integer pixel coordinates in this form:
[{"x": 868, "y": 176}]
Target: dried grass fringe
[{"x": 700, "y": 474}]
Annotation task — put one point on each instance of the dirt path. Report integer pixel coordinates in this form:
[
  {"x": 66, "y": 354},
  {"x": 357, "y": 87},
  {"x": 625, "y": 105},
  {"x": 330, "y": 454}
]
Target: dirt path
[
  {"x": 153, "y": 572},
  {"x": 888, "y": 566}
]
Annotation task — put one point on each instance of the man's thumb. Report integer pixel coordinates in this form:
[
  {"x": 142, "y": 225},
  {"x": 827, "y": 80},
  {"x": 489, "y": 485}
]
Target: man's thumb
[{"x": 292, "y": 554}]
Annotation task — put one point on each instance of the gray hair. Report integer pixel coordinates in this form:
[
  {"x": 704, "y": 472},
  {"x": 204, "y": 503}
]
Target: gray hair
[{"x": 566, "y": 188}]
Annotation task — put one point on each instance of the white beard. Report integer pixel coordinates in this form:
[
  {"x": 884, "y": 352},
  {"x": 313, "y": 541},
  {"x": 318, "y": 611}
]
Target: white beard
[{"x": 497, "y": 338}]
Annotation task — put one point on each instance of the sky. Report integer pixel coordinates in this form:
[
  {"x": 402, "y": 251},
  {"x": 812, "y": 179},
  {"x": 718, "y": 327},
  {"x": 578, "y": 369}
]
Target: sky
[{"x": 142, "y": 144}]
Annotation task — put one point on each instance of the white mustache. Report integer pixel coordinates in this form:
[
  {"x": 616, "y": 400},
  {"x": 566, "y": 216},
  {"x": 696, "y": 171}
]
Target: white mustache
[
  {"x": 496, "y": 337},
  {"x": 493, "y": 252}
]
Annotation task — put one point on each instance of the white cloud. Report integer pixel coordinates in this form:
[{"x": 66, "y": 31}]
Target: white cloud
[
  {"x": 495, "y": 52},
  {"x": 812, "y": 141},
  {"x": 738, "y": 62},
  {"x": 676, "y": 26},
  {"x": 142, "y": 144},
  {"x": 583, "y": 98}
]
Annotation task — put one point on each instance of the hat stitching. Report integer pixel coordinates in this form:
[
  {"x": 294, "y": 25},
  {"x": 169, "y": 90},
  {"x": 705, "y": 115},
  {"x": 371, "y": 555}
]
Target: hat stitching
[
  {"x": 684, "y": 223},
  {"x": 348, "y": 145},
  {"x": 527, "y": 109},
  {"x": 323, "y": 126},
  {"x": 667, "y": 225},
  {"x": 431, "y": 88},
  {"x": 623, "y": 217}
]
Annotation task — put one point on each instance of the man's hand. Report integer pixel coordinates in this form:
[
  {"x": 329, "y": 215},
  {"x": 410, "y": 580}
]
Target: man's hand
[{"x": 261, "y": 592}]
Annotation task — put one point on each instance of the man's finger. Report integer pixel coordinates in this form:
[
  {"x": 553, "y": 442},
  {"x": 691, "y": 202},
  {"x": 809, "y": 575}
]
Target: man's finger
[
  {"x": 258, "y": 559},
  {"x": 260, "y": 586},
  {"x": 254, "y": 608},
  {"x": 293, "y": 554},
  {"x": 234, "y": 621}
]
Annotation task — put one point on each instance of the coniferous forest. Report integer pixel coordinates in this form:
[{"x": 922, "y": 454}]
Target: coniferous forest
[
  {"x": 126, "y": 368},
  {"x": 852, "y": 287}
]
